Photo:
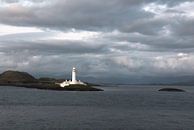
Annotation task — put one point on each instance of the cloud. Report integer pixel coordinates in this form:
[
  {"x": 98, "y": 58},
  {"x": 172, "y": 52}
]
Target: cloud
[
  {"x": 175, "y": 64},
  {"x": 47, "y": 47},
  {"x": 85, "y": 14},
  {"x": 104, "y": 39},
  {"x": 164, "y": 65},
  {"x": 7, "y": 30}
]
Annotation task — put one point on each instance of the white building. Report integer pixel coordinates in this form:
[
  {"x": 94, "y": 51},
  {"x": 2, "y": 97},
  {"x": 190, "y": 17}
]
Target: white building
[{"x": 73, "y": 81}]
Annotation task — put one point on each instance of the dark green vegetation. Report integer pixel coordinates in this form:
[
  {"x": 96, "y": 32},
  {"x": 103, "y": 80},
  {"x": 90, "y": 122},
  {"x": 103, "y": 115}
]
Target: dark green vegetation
[
  {"x": 23, "y": 79},
  {"x": 172, "y": 90}
]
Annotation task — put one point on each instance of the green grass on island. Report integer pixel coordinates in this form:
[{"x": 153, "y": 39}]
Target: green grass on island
[{"x": 23, "y": 79}]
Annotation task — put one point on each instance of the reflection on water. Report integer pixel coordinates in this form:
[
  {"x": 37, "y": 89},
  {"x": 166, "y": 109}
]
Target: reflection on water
[{"x": 121, "y": 107}]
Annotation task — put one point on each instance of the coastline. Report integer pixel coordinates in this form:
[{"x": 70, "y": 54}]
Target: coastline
[{"x": 52, "y": 86}]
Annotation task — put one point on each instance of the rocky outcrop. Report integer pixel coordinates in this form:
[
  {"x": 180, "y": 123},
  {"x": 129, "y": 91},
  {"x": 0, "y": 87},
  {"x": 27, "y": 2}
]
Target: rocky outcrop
[{"x": 171, "y": 90}]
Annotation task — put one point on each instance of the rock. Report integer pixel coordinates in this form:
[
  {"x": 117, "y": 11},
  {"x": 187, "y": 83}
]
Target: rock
[
  {"x": 171, "y": 90},
  {"x": 79, "y": 87}
]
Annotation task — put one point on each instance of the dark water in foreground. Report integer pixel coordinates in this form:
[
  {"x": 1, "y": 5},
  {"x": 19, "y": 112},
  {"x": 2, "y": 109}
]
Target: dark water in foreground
[{"x": 130, "y": 108}]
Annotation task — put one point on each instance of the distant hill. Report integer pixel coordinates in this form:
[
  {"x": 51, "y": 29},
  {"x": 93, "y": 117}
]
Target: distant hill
[{"x": 16, "y": 77}]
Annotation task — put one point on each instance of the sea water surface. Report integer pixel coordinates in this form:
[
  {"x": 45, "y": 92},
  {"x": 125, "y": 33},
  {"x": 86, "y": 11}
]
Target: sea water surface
[{"x": 116, "y": 108}]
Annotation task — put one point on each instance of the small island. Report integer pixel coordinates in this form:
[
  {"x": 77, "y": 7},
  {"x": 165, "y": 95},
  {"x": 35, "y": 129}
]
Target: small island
[
  {"x": 171, "y": 90},
  {"x": 24, "y": 79}
]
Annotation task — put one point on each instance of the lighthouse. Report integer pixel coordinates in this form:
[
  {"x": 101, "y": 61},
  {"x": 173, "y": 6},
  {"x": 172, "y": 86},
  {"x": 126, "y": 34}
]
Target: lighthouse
[
  {"x": 74, "y": 71},
  {"x": 73, "y": 80}
]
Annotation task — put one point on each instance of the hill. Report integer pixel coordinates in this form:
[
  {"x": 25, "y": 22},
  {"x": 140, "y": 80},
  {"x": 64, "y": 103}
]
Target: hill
[{"x": 16, "y": 77}]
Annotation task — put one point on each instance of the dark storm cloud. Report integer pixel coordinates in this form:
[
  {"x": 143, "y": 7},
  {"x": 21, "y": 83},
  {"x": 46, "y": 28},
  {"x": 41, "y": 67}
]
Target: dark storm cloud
[
  {"x": 124, "y": 15},
  {"x": 156, "y": 43},
  {"x": 70, "y": 14},
  {"x": 80, "y": 14},
  {"x": 184, "y": 28},
  {"x": 52, "y": 47}
]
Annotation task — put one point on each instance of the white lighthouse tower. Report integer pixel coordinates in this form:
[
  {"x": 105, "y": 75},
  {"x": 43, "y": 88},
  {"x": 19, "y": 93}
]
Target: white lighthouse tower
[
  {"x": 73, "y": 81},
  {"x": 74, "y": 71}
]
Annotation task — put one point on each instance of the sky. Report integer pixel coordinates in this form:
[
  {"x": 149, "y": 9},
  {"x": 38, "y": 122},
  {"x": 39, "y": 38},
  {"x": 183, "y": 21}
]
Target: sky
[{"x": 113, "y": 41}]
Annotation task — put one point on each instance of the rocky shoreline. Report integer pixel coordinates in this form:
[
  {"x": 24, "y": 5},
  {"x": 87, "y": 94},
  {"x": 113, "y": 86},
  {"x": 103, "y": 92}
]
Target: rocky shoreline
[{"x": 52, "y": 87}]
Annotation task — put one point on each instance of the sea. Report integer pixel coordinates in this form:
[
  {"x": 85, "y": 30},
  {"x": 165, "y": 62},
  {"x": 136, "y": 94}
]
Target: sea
[{"x": 118, "y": 107}]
